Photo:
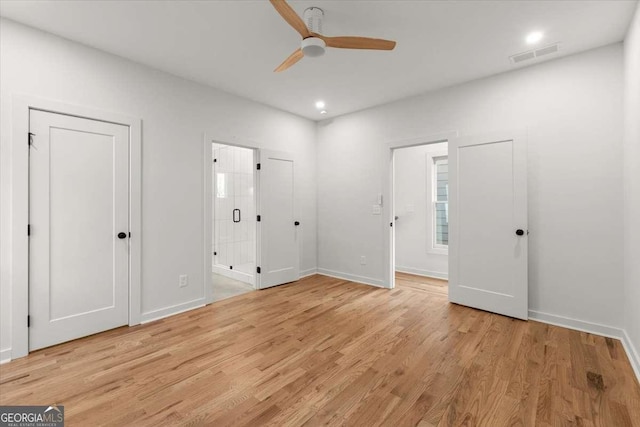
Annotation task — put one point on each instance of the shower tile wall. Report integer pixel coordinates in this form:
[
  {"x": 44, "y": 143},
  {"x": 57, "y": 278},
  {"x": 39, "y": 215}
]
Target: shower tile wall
[{"x": 234, "y": 242}]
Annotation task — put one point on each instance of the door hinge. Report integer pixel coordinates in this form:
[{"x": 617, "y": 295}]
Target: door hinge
[
  {"x": 258, "y": 270},
  {"x": 28, "y": 321},
  {"x": 258, "y": 218},
  {"x": 215, "y": 160},
  {"x": 215, "y": 253},
  {"x": 28, "y": 229},
  {"x": 30, "y": 138},
  {"x": 258, "y": 166}
]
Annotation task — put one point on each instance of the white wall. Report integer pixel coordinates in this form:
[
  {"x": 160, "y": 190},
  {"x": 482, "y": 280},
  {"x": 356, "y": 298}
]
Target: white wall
[
  {"x": 175, "y": 115},
  {"x": 413, "y": 203},
  {"x": 572, "y": 108},
  {"x": 632, "y": 189}
]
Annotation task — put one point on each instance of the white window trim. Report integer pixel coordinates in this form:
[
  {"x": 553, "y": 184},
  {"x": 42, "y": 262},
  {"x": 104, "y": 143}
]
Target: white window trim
[{"x": 432, "y": 247}]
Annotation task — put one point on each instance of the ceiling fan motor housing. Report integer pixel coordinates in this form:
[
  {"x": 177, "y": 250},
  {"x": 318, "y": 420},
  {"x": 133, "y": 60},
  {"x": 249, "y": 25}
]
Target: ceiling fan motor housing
[{"x": 313, "y": 19}]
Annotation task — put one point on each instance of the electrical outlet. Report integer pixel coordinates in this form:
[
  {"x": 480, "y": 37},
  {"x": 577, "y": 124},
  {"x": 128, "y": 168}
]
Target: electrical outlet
[
  {"x": 363, "y": 260},
  {"x": 184, "y": 280}
]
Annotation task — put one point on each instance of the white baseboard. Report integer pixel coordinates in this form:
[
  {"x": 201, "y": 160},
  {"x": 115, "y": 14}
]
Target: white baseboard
[
  {"x": 353, "y": 278},
  {"x": 5, "y": 356},
  {"x": 308, "y": 272},
  {"x": 420, "y": 272},
  {"x": 579, "y": 325},
  {"x": 632, "y": 353},
  {"x": 173, "y": 310}
]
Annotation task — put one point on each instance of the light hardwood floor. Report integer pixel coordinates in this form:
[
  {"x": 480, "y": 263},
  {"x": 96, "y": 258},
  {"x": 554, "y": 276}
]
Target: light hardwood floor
[{"x": 328, "y": 351}]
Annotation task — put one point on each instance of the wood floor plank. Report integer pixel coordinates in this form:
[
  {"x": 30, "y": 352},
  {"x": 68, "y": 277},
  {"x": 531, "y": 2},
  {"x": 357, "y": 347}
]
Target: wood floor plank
[{"x": 326, "y": 351}]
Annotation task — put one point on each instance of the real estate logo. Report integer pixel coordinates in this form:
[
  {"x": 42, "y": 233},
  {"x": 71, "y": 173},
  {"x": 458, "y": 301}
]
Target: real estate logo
[{"x": 32, "y": 416}]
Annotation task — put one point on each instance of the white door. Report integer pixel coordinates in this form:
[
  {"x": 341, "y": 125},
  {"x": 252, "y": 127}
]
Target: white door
[
  {"x": 488, "y": 223},
  {"x": 278, "y": 235},
  {"x": 78, "y": 204}
]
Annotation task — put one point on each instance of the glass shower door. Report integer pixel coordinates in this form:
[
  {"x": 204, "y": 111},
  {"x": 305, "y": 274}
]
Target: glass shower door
[
  {"x": 224, "y": 208},
  {"x": 234, "y": 210}
]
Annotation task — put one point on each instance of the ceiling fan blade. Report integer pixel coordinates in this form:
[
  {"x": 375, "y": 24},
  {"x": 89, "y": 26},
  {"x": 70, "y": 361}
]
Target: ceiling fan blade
[
  {"x": 292, "y": 59},
  {"x": 348, "y": 42},
  {"x": 291, "y": 17}
]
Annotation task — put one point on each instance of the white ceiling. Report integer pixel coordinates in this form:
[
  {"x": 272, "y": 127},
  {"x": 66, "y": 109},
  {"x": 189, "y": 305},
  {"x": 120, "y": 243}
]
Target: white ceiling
[{"x": 235, "y": 45}]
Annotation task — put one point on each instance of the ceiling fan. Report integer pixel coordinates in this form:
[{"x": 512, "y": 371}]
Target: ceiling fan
[{"x": 313, "y": 43}]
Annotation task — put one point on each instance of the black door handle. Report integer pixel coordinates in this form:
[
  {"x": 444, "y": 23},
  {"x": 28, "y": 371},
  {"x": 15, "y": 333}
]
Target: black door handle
[
  {"x": 297, "y": 223},
  {"x": 520, "y": 232},
  {"x": 122, "y": 235}
]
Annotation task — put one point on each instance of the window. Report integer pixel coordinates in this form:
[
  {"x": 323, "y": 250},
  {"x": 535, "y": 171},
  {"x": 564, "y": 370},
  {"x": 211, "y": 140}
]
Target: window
[{"x": 440, "y": 202}]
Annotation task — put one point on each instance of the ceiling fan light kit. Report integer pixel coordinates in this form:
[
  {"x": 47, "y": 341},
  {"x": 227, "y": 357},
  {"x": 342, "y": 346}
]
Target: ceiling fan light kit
[
  {"x": 313, "y": 43},
  {"x": 313, "y": 47}
]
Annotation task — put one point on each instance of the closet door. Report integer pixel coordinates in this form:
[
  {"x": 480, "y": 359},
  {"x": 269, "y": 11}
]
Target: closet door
[{"x": 79, "y": 216}]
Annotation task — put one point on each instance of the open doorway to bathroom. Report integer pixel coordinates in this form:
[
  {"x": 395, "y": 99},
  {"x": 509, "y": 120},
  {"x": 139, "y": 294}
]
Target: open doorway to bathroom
[
  {"x": 420, "y": 193},
  {"x": 234, "y": 221}
]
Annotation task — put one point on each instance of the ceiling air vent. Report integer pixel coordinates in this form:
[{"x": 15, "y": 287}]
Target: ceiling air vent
[
  {"x": 532, "y": 54},
  {"x": 547, "y": 50}
]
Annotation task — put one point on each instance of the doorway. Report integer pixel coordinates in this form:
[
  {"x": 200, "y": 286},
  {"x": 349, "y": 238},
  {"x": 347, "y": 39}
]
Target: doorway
[
  {"x": 234, "y": 221},
  {"x": 485, "y": 208},
  {"x": 256, "y": 188},
  {"x": 420, "y": 192}
]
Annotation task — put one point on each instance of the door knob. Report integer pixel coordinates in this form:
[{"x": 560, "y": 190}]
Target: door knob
[
  {"x": 297, "y": 223},
  {"x": 520, "y": 232},
  {"x": 122, "y": 235}
]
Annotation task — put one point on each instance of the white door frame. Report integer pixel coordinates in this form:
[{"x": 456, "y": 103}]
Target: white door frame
[
  {"x": 207, "y": 216},
  {"x": 22, "y": 104},
  {"x": 389, "y": 261}
]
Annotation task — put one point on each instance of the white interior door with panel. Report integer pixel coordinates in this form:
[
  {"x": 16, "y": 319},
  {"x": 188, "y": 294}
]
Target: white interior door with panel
[
  {"x": 488, "y": 223},
  {"x": 279, "y": 257},
  {"x": 79, "y": 227}
]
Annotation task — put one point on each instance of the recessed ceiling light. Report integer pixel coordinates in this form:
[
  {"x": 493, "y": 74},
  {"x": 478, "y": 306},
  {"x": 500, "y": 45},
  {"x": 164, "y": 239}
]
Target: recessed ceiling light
[
  {"x": 323, "y": 112},
  {"x": 534, "y": 37},
  {"x": 319, "y": 105}
]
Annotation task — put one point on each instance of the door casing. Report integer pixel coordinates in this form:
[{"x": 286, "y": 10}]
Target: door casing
[{"x": 19, "y": 277}]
